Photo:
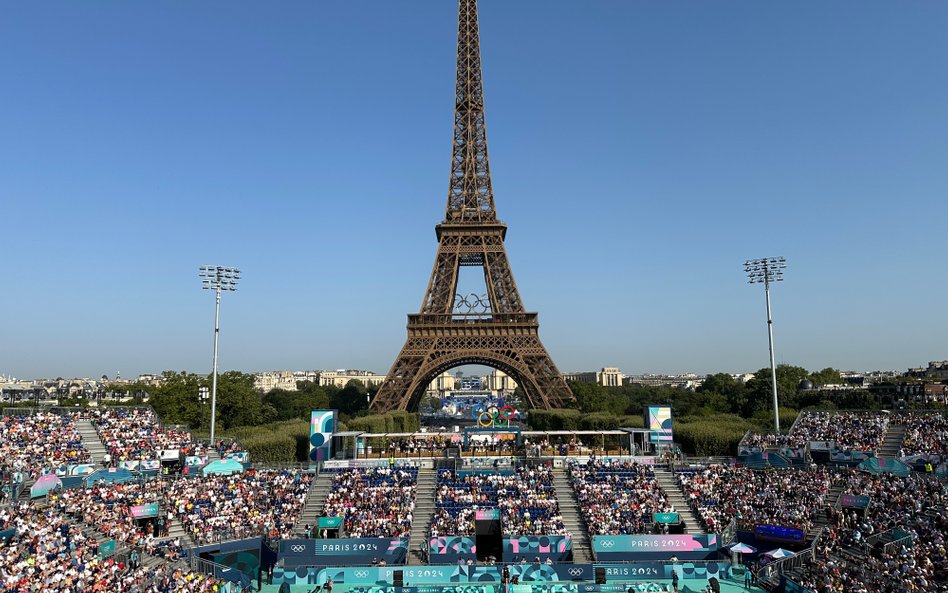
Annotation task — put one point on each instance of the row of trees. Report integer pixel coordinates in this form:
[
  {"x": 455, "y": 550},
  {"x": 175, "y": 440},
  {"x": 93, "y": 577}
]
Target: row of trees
[
  {"x": 709, "y": 420},
  {"x": 719, "y": 394},
  {"x": 238, "y": 404}
]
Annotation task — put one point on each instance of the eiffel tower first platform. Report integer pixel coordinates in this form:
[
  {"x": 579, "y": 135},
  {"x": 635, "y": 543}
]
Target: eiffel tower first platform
[{"x": 493, "y": 329}]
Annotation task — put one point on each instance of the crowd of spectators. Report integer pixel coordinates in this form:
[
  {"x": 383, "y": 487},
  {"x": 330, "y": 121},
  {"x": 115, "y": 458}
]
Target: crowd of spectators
[
  {"x": 48, "y": 554},
  {"x": 790, "y": 498},
  {"x": 848, "y": 560},
  {"x": 374, "y": 502},
  {"x": 108, "y": 508},
  {"x": 34, "y": 444},
  {"x": 525, "y": 497},
  {"x": 617, "y": 498},
  {"x": 256, "y": 502},
  {"x": 925, "y": 435},
  {"x": 858, "y": 431},
  {"x": 132, "y": 434}
]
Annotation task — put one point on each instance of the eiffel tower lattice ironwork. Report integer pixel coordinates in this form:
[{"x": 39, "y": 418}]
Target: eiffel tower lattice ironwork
[{"x": 452, "y": 330}]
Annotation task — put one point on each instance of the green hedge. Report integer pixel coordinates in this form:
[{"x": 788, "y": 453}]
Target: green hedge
[
  {"x": 716, "y": 435},
  {"x": 385, "y": 423},
  {"x": 278, "y": 442},
  {"x": 568, "y": 419},
  {"x": 271, "y": 448}
]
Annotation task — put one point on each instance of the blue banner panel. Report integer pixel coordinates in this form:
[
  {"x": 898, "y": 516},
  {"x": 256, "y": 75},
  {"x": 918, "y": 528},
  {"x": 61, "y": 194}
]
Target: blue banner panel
[
  {"x": 659, "y": 422},
  {"x": 448, "y": 549},
  {"x": 325, "y": 552},
  {"x": 414, "y": 576},
  {"x": 558, "y": 548},
  {"x": 776, "y": 533},
  {"x": 655, "y": 547},
  {"x": 321, "y": 426}
]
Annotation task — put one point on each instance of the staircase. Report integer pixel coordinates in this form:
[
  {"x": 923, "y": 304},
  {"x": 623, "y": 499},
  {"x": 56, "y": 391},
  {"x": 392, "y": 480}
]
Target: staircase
[
  {"x": 575, "y": 526},
  {"x": 176, "y": 530},
  {"x": 676, "y": 499},
  {"x": 91, "y": 440},
  {"x": 421, "y": 516},
  {"x": 318, "y": 491},
  {"x": 892, "y": 442}
]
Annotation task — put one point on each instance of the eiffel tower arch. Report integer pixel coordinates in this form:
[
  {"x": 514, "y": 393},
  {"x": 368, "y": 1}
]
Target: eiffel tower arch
[{"x": 493, "y": 329}]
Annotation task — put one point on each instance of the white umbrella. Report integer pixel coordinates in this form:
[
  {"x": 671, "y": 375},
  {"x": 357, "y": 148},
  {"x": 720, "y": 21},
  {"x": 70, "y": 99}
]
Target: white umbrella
[{"x": 779, "y": 553}]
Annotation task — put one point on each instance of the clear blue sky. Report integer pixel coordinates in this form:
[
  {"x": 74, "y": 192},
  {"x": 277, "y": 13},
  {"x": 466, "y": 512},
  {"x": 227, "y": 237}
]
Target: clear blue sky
[{"x": 641, "y": 151}]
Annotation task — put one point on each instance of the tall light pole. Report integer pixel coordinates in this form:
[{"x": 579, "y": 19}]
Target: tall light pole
[
  {"x": 203, "y": 396},
  {"x": 767, "y": 270},
  {"x": 217, "y": 278}
]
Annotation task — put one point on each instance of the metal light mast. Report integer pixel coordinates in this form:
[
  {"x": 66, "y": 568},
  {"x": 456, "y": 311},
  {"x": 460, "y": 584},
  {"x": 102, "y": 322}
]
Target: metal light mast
[
  {"x": 767, "y": 270},
  {"x": 217, "y": 278}
]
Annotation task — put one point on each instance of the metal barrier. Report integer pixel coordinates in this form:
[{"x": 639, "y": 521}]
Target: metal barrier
[{"x": 216, "y": 570}]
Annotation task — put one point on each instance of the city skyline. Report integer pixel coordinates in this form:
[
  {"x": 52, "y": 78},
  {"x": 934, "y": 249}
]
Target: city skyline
[{"x": 687, "y": 139}]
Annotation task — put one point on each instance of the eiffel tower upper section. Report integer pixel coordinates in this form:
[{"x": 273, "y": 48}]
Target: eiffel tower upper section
[{"x": 470, "y": 198}]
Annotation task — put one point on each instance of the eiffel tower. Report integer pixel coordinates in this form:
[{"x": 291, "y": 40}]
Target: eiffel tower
[{"x": 492, "y": 329}]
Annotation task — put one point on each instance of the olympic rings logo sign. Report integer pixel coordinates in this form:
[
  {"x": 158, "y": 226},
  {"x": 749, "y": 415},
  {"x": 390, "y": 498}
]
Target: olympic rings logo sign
[
  {"x": 575, "y": 572},
  {"x": 492, "y": 415},
  {"x": 297, "y": 548}
]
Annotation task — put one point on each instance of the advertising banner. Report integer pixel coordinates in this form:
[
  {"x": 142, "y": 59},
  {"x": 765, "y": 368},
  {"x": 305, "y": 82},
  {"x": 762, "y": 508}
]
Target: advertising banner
[
  {"x": 325, "y": 552},
  {"x": 564, "y": 574},
  {"x": 487, "y": 514},
  {"x": 144, "y": 511},
  {"x": 667, "y": 518},
  {"x": 240, "y": 456},
  {"x": 448, "y": 549},
  {"x": 558, "y": 548},
  {"x": 321, "y": 426},
  {"x": 776, "y": 533},
  {"x": 75, "y": 470},
  {"x": 658, "y": 419},
  {"x": 195, "y": 460},
  {"x": 853, "y": 502},
  {"x": 107, "y": 548},
  {"x": 655, "y": 547}
]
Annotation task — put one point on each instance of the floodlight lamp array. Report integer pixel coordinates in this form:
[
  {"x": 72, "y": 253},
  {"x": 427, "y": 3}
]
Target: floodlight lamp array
[
  {"x": 222, "y": 277},
  {"x": 767, "y": 269}
]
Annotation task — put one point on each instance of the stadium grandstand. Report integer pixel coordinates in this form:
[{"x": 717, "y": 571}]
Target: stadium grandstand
[{"x": 114, "y": 501}]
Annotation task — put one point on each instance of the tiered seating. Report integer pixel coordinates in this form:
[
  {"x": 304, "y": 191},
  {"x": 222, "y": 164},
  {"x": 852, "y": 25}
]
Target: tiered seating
[
  {"x": 262, "y": 502},
  {"x": 37, "y": 443},
  {"x": 791, "y": 498},
  {"x": 925, "y": 435},
  {"x": 107, "y": 508},
  {"x": 848, "y": 563},
  {"x": 526, "y": 499},
  {"x": 134, "y": 434},
  {"x": 48, "y": 554},
  {"x": 617, "y": 498},
  {"x": 861, "y": 431},
  {"x": 375, "y": 502}
]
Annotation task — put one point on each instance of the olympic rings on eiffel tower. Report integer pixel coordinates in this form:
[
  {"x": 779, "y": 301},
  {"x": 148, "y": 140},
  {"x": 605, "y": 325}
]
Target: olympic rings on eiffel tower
[{"x": 492, "y": 415}]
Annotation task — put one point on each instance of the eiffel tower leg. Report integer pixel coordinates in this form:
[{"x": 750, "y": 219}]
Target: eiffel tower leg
[{"x": 522, "y": 357}]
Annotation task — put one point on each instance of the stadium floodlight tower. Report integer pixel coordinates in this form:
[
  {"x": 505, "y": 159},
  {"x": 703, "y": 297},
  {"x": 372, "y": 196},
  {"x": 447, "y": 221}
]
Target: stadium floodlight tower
[
  {"x": 767, "y": 270},
  {"x": 217, "y": 278}
]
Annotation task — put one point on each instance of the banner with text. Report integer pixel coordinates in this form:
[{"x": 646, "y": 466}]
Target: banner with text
[
  {"x": 322, "y": 552},
  {"x": 655, "y": 547},
  {"x": 421, "y": 576}
]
